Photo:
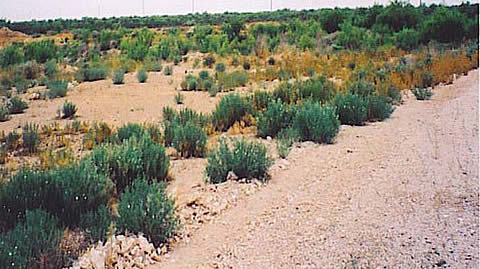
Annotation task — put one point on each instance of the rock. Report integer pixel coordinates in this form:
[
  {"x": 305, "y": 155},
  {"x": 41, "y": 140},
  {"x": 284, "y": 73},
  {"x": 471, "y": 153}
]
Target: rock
[
  {"x": 269, "y": 138},
  {"x": 34, "y": 96},
  {"x": 231, "y": 176},
  {"x": 70, "y": 86},
  {"x": 97, "y": 259}
]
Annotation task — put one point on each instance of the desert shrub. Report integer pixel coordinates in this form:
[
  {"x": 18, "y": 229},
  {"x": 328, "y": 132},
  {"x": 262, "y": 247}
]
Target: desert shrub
[
  {"x": 96, "y": 223},
  {"x": 203, "y": 75},
  {"x": 12, "y": 140},
  {"x": 189, "y": 139},
  {"x": 245, "y": 159},
  {"x": 17, "y": 250},
  {"x": 422, "y": 93},
  {"x": 40, "y": 51},
  {"x": 147, "y": 209},
  {"x": 4, "y": 114},
  {"x": 260, "y": 100},
  {"x": 407, "y": 39},
  {"x": 351, "y": 109},
  {"x": 212, "y": 91},
  {"x": 179, "y": 98},
  {"x": 220, "y": 67},
  {"x": 284, "y": 92},
  {"x": 16, "y": 105},
  {"x": 361, "y": 88},
  {"x": 132, "y": 159},
  {"x": 11, "y": 55},
  {"x": 94, "y": 73},
  {"x": 316, "y": 123},
  {"x": 30, "y": 137},
  {"x": 233, "y": 80},
  {"x": 208, "y": 61},
  {"x": 246, "y": 66},
  {"x": 22, "y": 85},
  {"x": 69, "y": 110},
  {"x": 142, "y": 76},
  {"x": 426, "y": 80},
  {"x": 97, "y": 134},
  {"x": 155, "y": 66},
  {"x": 378, "y": 108},
  {"x": 119, "y": 77},
  {"x": 5, "y": 83},
  {"x": 230, "y": 109},
  {"x": 51, "y": 68},
  {"x": 57, "y": 88},
  {"x": 285, "y": 139},
  {"x": 275, "y": 118},
  {"x": 444, "y": 25},
  {"x": 129, "y": 130},
  {"x": 318, "y": 89},
  {"x": 168, "y": 71}
]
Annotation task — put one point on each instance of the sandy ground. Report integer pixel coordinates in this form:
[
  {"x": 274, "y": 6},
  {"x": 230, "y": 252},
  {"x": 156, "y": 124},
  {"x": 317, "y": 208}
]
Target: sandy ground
[{"x": 397, "y": 194}]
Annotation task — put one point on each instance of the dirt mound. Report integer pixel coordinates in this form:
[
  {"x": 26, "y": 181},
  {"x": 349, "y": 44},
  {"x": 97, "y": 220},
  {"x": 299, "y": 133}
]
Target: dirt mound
[{"x": 8, "y": 36}]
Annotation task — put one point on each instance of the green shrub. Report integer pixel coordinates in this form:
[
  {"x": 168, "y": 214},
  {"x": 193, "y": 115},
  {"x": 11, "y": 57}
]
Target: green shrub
[
  {"x": 407, "y": 39},
  {"x": 208, "y": 61},
  {"x": 220, "y": 67},
  {"x": 142, "y": 76},
  {"x": 245, "y": 159},
  {"x": 179, "y": 98},
  {"x": 17, "y": 250},
  {"x": 246, "y": 66},
  {"x": 119, "y": 77},
  {"x": 275, "y": 118},
  {"x": 230, "y": 109},
  {"x": 426, "y": 80},
  {"x": 147, "y": 209},
  {"x": 260, "y": 100},
  {"x": 22, "y": 85},
  {"x": 133, "y": 159},
  {"x": 361, "y": 88},
  {"x": 318, "y": 89},
  {"x": 422, "y": 93},
  {"x": 4, "y": 114},
  {"x": 285, "y": 93},
  {"x": 94, "y": 73},
  {"x": 378, "y": 108},
  {"x": 96, "y": 223},
  {"x": 154, "y": 67},
  {"x": 69, "y": 110},
  {"x": 316, "y": 123},
  {"x": 130, "y": 130},
  {"x": 12, "y": 140},
  {"x": 445, "y": 25},
  {"x": 351, "y": 109},
  {"x": 204, "y": 75},
  {"x": 285, "y": 139},
  {"x": 30, "y": 137},
  {"x": 16, "y": 105},
  {"x": 233, "y": 80},
  {"x": 51, "y": 68},
  {"x": 168, "y": 71},
  {"x": 189, "y": 139},
  {"x": 56, "y": 89}
]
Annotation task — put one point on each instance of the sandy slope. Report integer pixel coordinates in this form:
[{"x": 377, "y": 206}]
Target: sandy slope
[{"x": 398, "y": 194}]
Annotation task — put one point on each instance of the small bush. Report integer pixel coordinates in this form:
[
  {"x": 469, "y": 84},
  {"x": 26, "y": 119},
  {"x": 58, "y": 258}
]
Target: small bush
[
  {"x": 142, "y": 76},
  {"x": 130, "y": 130},
  {"x": 245, "y": 159},
  {"x": 204, "y": 75},
  {"x": 316, "y": 123},
  {"x": 30, "y": 137},
  {"x": 147, "y": 209},
  {"x": 51, "y": 68},
  {"x": 94, "y": 73},
  {"x": 426, "y": 80},
  {"x": 285, "y": 93},
  {"x": 285, "y": 140},
  {"x": 318, "y": 89},
  {"x": 230, "y": 109},
  {"x": 16, "y": 105},
  {"x": 246, "y": 66},
  {"x": 12, "y": 140},
  {"x": 212, "y": 91},
  {"x": 189, "y": 140},
  {"x": 69, "y": 110},
  {"x": 17, "y": 250},
  {"x": 118, "y": 77},
  {"x": 361, "y": 88},
  {"x": 260, "y": 100},
  {"x": 168, "y": 71},
  {"x": 378, "y": 108},
  {"x": 422, "y": 93},
  {"x": 275, "y": 118},
  {"x": 351, "y": 109},
  {"x": 57, "y": 88},
  {"x": 96, "y": 223},
  {"x": 179, "y": 98},
  {"x": 4, "y": 114},
  {"x": 233, "y": 80},
  {"x": 208, "y": 61},
  {"x": 154, "y": 67},
  {"x": 220, "y": 67}
]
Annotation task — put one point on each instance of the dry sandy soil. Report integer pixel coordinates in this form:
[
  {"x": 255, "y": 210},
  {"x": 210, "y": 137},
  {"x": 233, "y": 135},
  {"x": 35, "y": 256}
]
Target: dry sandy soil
[{"x": 397, "y": 194}]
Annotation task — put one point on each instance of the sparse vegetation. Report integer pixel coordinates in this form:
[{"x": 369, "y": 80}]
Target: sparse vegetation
[
  {"x": 16, "y": 105},
  {"x": 69, "y": 110},
  {"x": 118, "y": 77},
  {"x": 142, "y": 76},
  {"x": 422, "y": 94}
]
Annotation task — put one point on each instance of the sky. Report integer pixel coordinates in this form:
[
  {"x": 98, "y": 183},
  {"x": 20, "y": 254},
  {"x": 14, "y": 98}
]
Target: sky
[{"x": 20, "y": 10}]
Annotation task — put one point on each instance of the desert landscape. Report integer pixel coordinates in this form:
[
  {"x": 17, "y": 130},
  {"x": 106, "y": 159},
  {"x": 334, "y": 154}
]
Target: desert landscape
[{"x": 322, "y": 138}]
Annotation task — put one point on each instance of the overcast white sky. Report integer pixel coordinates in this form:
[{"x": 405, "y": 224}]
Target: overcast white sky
[{"x": 16, "y": 10}]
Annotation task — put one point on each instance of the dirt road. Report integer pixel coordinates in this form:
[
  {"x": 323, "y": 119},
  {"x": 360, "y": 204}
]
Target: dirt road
[{"x": 397, "y": 194}]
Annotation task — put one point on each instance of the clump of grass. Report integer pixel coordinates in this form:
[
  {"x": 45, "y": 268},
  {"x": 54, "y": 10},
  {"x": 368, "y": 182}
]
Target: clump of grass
[
  {"x": 119, "y": 77},
  {"x": 189, "y": 139},
  {"x": 57, "y": 88},
  {"x": 168, "y": 71},
  {"x": 16, "y": 105},
  {"x": 142, "y": 76},
  {"x": 247, "y": 160},
  {"x": 30, "y": 137},
  {"x": 220, "y": 67},
  {"x": 351, "y": 109},
  {"x": 69, "y": 110},
  {"x": 4, "y": 114},
  {"x": 316, "y": 123},
  {"x": 230, "y": 109},
  {"x": 285, "y": 140},
  {"x": 179, "y": 98},
  {"x": 422, "y": 93}
]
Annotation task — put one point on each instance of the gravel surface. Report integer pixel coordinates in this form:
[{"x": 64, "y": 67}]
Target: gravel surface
[{"x": 397, "y": 194}]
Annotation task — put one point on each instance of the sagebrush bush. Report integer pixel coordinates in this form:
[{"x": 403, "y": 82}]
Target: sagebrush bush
[
  {"x": 93, "y": 73},
  {"x": 129, "y": 130},
  {"x": 173, "y": 119},
  {"x": 426, "y": 80},
  {"x": 179, "y": 98},
  {"x": 316, "y": 89},
  {"x": 4, "y": 114},
  {"x": 378, "y": 108},
  {"x": 233, "y": 79},
  {"x": 142, "y": 76},
  {"x": 208, "y": 61},
  {"x": 148, "y": 210},
  {"x": 189, "y": 139},
  {"x": 16, "y": 105},
  {"x": 351, "y": 109},
  {"x": 275, "y": 118},
  {"x": 168, "y": 71},
  {"x": 316, "y": 123},
  {"x": 285, "y": 93},
  {"x": 220, "y": 67},
  {"x": 69, "y": 110},
  {"x": 285, "y": 139},
  {"x": 51, "y": 68},
  {"x": 203, "y": 75},
  {"x": 33, "y": 243},
  {"x": 30, "y": 137},
  {"x": 119, "y": 77},
  {"x": 361, "y": 88},
  {"x": 247, "y": 160},
  {"x": 96, "y": 223},
  {"x": 261, "y": 99},
  {"x": 422, "y": 93},
  {"x": 57, "y": 88},
  {"x": 132, "y": 159},
  {"x": 230, "y": 109}
]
